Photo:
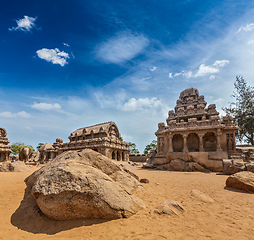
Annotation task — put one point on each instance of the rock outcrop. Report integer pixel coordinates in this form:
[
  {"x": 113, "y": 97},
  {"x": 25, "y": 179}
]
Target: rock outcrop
[
  {"x": 14, "y": 167},
  {"x": 242, "y": 181},
  {"x": 84, "y": 184},
  {"x": 180, "y": 165}
]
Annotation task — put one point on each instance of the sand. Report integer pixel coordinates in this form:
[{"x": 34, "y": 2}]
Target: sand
[{"x": 229, "y": 216}]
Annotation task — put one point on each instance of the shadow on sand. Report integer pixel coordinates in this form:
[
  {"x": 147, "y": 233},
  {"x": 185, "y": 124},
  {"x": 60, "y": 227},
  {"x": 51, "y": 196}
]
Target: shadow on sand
[
  {"x": 28, "y": 217},
  {"x": 237, "y": 190}
]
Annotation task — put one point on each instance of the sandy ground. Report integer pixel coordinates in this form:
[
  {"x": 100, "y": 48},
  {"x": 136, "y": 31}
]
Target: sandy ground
[{"x": 230, "y": 216}]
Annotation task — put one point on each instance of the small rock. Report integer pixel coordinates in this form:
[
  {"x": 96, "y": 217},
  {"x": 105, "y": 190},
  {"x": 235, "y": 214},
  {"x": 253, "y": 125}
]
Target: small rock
[
  {"x": 201, "y": 196},
  {"x": 170, "y": 207},
  {"x": 144, "y": 180}
]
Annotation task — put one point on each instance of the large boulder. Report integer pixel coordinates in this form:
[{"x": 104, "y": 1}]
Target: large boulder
[
  {"x": 14, "y": 167},
  {"x": 84, "y": 184},
  {"x": 242, "y": 181}
]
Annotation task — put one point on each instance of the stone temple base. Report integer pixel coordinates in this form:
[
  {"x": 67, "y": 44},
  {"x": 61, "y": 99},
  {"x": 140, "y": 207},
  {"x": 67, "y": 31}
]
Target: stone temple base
[{"x": 209, "y": 160}]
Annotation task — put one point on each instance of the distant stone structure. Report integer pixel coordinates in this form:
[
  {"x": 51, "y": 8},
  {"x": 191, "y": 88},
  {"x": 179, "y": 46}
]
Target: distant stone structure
[
  {"x": 194, "y": 131},
  {"x": 103, "y": 138},
  {"x": 5, "y": 148}
]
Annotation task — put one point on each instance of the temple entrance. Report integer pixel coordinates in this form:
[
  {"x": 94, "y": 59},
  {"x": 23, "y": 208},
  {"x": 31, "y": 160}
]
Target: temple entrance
[
  {"x": 113, "y": 155},
  {"x": 193, "y": 142},
  {"x": 177, "y": 143},
  {"x": 209, "y": 142}
]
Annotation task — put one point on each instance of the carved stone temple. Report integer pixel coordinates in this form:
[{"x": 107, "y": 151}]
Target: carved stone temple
[
  {"x": 194, "y": 131},
  {"x": 103, "y": 138},
  {"x": 5, "y": 148}
]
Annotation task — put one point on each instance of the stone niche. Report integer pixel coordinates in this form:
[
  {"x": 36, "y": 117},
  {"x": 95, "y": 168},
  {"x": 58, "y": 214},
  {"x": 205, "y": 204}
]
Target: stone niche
[
  {"x": 103, "y": 138},
  {"x": 5, "y": 148},
  {"x": 192, "y": 129}
]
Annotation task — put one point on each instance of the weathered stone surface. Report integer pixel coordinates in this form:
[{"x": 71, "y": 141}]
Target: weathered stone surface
[
  {"x": 14, "y": 167},
  {"x": 202, "y": 159},
  {"x": 242, "y": 181},
  {"x": 180, "y": 165},
  {"x": 250, "y": 167},
  {"x": 84, "y": 184},
  {"x": 231, "y": 166},
  {"x": 24, "y": 154},
  {"x": 35, "y": 156},
  {"x": 170, "y": 207},
  {"x": 201, "y": 196}
]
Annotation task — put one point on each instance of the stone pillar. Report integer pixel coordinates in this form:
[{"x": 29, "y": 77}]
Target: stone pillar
[
  {"x": 218, "y": 140},
  {"x": 185, "y": 147},
  {"x": 201, "y": 146},
  {"x": 120, "y": 156},
  {"x": 234, "y": 141},
  {"x": 170, "y": 142}
]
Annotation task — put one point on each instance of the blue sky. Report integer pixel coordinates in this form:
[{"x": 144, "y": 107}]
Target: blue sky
[{"x": 70, "y": 64}]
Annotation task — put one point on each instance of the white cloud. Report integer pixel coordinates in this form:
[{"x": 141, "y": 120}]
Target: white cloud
[
  {"x": 46, "y": 106},
  {"x": 204, "y": 70},
  {"x": 250, "y": 42},
  {"x": 66, "y": 44},
  {"x": 152, "y": 69},
  {"x": 22, "y": 114},
  {"x": 220, "y": 63},
  {"x": 25, "y": 24},
  {"x": 170, "y": 75},
  {"x": 121, "y": 48},
  {"x": 212, "y": 77},
  {"x": 247, "y": 28},
  {"x": 53, "y": 55},
  {"x": 187, "y": 74},
  {"x": 141, "y": 104}
]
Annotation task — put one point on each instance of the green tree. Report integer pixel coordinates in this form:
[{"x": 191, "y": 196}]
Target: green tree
[
  {"x": 133, "y": 148},
  {"x": 15, "y": 147},
  {"x": 39, "y": 145},
  {"x": 242, "y": 109},
  {"x": 153, "y": 144}
]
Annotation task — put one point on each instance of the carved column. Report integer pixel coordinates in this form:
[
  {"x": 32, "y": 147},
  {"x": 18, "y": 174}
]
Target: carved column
[
  {"x": 201, "y": 146},
  {"x": 234, "y": 141},
  {"x": 120, "y": 156},
  {"x": 185, "y": 147},
  {"x": 170, "y": 142},
  {"x": 218, "y": 140}
]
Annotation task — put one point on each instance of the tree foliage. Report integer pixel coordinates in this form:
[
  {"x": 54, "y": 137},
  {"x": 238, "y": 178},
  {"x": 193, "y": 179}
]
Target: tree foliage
[
  {"x": 15, "y": 147},
  {"x": 242, "y": 109},
  {"x": 39, "y": 145},
  {"x": 153, "y": 144},
  {"x": 133, "y": 148}
]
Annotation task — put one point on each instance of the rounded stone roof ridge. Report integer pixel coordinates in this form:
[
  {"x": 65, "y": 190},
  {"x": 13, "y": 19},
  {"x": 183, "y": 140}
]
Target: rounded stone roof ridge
[{"x": 189, "y": 91}]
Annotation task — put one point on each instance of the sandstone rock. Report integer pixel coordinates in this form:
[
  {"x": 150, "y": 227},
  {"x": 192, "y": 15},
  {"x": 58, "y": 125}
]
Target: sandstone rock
[
  {"x": 201, "y": 196},
  {"x": 241, "y": 180},
  {"x": 180, "y": 165},
  {"x": 14, "y": 167},
  {"x": 129, "y": 171},
  {"x": 250, "y": 167},
  {"x": 144, "y": 180},
  {"x": 35, "y": 156},
  {"x": 84, "y": 184},
  {"x": 170, "y": 207},
  {"x": 231, "y": 166}
]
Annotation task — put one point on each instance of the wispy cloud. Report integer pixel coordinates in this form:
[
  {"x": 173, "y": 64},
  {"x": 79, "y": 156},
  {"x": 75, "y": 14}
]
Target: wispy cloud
[
  {"x": 141, "y": 104},
  {"x": 46, "y": 106},
  {"x": 66, "y": 44},
  {"x": 22, "y": 114},
  {"x": 203, "y": 70},
  {"x": 152, "y": 69},
  {"x": 121, "y": 48},
  {"x": 53, "y": 55},
  {"x": 247, "y": 28},
  {"x": 25, "y": 24}
]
